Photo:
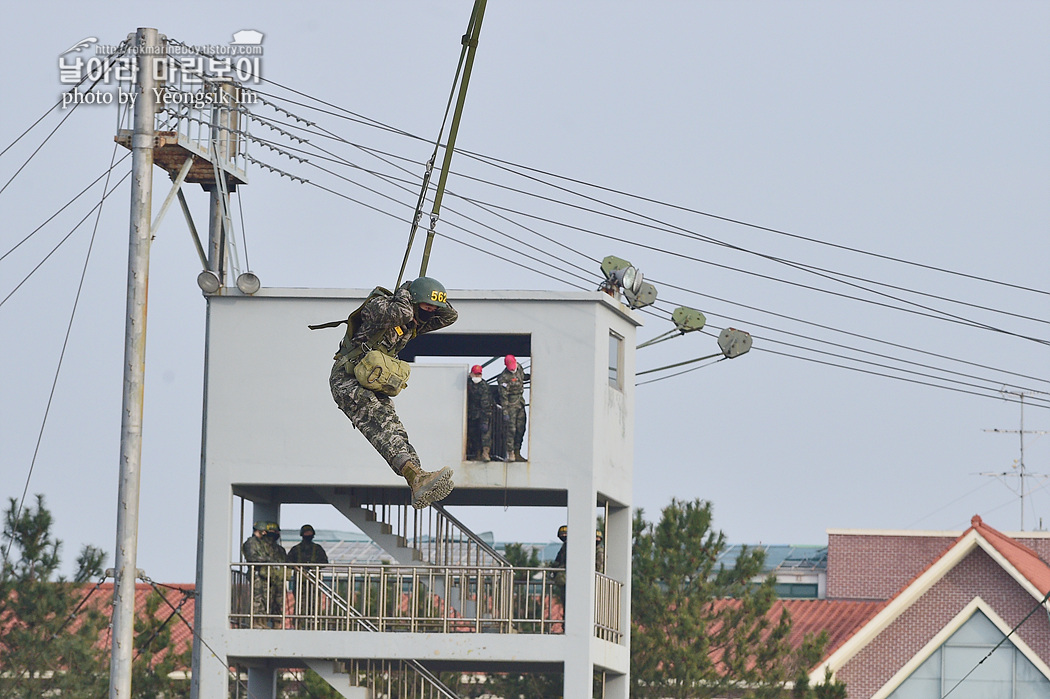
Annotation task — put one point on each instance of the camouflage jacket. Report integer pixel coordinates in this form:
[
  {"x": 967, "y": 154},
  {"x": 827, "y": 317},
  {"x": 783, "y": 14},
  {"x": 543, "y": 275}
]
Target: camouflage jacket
[
  {"x": 263, "y": 550},
  {"x": 397, "y": 315},
  {"x": 479, "y": 399},
  {"x": 307, "y": 552},
  {"x": 511, "y": 386}
]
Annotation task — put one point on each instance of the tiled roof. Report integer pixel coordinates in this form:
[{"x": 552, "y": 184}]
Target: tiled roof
[
  {"x": 840, "y": 619},
  {"x": 1024, "y": 561},
  {"x": 180, "y": 625},
  {"x": 1020, "y": 556}
]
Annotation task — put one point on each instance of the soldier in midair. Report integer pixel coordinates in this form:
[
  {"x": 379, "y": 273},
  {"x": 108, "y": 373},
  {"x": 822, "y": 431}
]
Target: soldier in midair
[{"x": 386, "y": 324}]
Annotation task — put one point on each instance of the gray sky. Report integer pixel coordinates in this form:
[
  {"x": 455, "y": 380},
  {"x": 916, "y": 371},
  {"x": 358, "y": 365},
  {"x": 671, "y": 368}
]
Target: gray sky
[{"x": 915, "y": 131}]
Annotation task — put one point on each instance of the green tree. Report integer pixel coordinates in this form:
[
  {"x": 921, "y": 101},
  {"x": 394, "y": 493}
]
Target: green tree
[
  {"x": 48, "y": 639},
  {"x": 155, "y": 657},
  {"x": 686, "y": 640}
]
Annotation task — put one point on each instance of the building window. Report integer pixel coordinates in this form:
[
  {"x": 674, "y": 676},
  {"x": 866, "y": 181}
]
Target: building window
[
  {"x": 615, "y": 360},
  {"x": 1006, "y": 673}
]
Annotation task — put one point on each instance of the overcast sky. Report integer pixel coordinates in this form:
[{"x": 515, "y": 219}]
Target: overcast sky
[{"x": 903, "y": 144}]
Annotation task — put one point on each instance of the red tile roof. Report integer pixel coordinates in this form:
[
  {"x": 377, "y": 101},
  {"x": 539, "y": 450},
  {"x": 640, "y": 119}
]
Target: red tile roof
[
  {"x": 180, "y": 625},
  {"x": 1024, "y": 559},
  {"x": 839, "y": 618}
]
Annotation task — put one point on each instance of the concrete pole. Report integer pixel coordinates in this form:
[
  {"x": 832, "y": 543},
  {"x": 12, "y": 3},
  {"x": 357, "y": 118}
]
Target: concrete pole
[{"x": 148, "y": 47}]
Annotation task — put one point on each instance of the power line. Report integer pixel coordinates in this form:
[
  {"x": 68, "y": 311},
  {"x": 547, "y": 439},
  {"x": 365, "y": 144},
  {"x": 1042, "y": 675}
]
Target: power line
[
  {"x": 52, "y": 217},
  {"x": 69, "y": 328},
  {"x": 504, "y": 164},
  {"x": 102, "y": 74},
  {"x": 1034, "y": 609}
]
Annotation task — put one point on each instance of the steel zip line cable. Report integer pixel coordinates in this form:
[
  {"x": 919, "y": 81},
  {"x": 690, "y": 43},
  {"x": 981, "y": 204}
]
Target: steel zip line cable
[
  {"x": 852, "y": 359},
  {"x": 507, "y": 165},
  {"x": 474, "y": 201}
]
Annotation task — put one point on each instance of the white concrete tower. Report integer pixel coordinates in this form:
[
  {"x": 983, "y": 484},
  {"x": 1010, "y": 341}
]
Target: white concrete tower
[{"x": 273, "y": 436}]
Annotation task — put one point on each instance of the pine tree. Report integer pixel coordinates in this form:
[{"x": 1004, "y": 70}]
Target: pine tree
[
  {"x": 48, "y": 639},
  {"x": 154, "y": 658},
  {"x": 686, "y": 641}
]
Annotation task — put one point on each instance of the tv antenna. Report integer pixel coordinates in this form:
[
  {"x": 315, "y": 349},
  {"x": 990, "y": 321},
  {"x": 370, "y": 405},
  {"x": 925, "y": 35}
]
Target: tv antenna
[{"x": 1018, "y": 470}]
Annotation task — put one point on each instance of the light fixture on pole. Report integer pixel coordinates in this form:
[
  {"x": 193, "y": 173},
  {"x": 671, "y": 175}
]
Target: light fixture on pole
[
  {"x": 208, "y": 281},
  {"x": 248, "y": 283},
  {"x": 621, "y": 275}
]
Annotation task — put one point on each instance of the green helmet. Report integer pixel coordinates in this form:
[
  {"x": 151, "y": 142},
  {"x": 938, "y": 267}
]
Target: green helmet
[
  {"x": 428, "y": 290},
  {"x": 273, "y": 528},
  {"x": 259, "y": 526}
]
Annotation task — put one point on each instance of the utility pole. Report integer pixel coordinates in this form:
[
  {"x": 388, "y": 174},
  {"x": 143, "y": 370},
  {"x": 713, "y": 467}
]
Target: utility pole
[
  {"x": 147, "y": 54},
  {"x": 1021, "y": 473}
]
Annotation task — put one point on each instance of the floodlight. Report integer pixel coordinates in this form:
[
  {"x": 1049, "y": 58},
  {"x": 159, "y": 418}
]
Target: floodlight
[
  {"x": 611, "y": 264},
  {"x": 248, "y": 283},
  {"x": 208, "y": 281},
  {"x": 733, "y": 342}
]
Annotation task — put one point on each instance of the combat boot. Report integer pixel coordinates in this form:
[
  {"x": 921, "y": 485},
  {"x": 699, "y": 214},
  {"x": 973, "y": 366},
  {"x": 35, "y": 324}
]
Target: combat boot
[
  {"x": 427, "y": 487},
  {"x": 485, "y": 454},
  {"x": 518, "y": 456}
]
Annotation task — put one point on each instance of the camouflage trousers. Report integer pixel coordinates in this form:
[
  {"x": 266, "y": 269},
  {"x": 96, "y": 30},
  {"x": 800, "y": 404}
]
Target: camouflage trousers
[
  {"x": 479, "y": 433},
  {"x": 373, "y": 414},
  {"x": 514, "y": 422},
  {"x": 267, "y": 600}
]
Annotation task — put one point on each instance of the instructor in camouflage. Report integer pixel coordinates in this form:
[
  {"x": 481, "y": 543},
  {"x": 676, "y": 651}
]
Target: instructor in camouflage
[
  {"x": 417, "y": 307},
  {"x": 480, "y": 405},
  {"x": 305, "y": 580},
  {"x": 267, "y": 580},
  {"x": 511, "y": 382}
]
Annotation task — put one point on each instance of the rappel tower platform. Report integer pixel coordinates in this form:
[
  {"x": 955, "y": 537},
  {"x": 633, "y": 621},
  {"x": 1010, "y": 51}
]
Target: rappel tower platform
[{"x": 445, "y": 601}]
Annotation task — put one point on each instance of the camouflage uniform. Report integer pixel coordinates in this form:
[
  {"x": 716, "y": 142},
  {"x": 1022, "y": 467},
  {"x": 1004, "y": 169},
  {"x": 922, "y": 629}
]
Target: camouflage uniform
[
  {"x": 304, "y": 584},
  {"x": 370, "y": 412},
  {"x": 267, "y": 581},
  {"x": 511, "y": 398},
  {"x": 480, "y": 404}
]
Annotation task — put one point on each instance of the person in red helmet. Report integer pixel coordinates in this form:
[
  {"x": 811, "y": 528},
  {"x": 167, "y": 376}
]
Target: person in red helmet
[
  {"x": 480, "y": 404},
  {"x": 511, "y": 383}
]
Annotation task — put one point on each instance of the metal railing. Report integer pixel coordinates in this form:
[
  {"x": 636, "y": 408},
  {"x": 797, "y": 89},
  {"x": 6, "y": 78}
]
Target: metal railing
[
  {"x": 396, "y": 678},
  {"x": 440, "y": 538},
  {"x": 201, "y": 106},
  {"x": 433, "y": 599},
  {"x": 607, "y": 597}
]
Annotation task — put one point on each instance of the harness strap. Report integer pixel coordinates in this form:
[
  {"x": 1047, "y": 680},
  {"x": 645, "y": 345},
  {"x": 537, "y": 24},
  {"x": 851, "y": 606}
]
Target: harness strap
[{"x": 332, "y": 324}]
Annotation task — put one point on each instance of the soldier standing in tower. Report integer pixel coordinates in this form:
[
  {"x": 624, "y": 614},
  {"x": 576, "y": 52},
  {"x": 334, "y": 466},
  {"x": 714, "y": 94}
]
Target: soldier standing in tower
[
  {"x": 267, "y": 580},
  {"x": 385, "y": 324},
  {"x": 511, "y": 382},
  {"x": 305, "y": 583},
  {"x": 480, "y": 404}
]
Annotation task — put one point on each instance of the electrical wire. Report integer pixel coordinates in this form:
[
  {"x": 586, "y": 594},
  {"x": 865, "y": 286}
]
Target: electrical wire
[
  {"x": 342, "y": 113},
  {"x": 843, "y": 332},
  {"x": 506, "y": 164},
  {"x": 69, "y": 327},
  {"x": 1039, "y": 605},
  {"x": 64, "y": 207},
  {"x": 95, "y": 208},
  {"x": 76, "y": 104},
  {"x": 937, "y": 378}
]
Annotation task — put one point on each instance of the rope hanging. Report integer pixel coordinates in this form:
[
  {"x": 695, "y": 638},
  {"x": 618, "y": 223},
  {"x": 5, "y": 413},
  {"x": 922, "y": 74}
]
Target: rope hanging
[{"x": 466, "y": 63}]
